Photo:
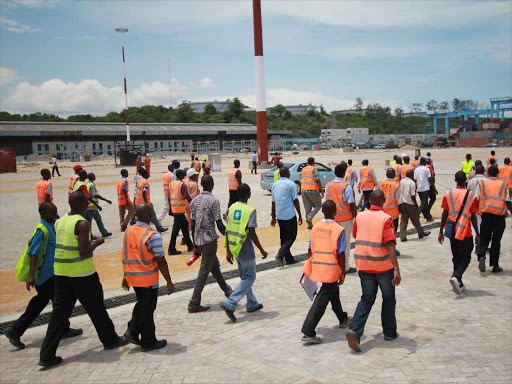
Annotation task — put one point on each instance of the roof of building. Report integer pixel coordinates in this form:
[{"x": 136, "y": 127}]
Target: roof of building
[{"x": 28, "y": 128}]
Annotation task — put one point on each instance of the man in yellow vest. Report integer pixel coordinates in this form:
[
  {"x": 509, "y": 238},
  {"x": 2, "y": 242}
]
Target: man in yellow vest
[
  {"x": 278, "y": 169},
  {"x": 141, "y": 266},
  {"x": 76, "y": 278},
  {"x": 377, "y": 264},
  {"x": 326, "y": 265},
  {"x": 459, "y": 208},
  {"x": 92, "y": 209},
  {"x": 311, "y": 189},
  {"x": 493, "y": 202},
  {"x": 81, "y": 185},
  {"x": 45, "y": 188},
  {"x": 468, "y": 166},
  {"x": 179, "y": 196},
  {"x": 239, "y": 239}
]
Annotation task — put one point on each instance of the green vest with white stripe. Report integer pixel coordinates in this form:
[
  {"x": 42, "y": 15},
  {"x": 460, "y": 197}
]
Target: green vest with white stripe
[
  {"x": 237, "y": 231},
  {"x": 78, "y": 184},
  {"x": 67, "y": 261}
]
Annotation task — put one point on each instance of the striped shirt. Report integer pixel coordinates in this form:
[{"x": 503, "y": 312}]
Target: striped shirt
[{"x": 205, "y": 211}]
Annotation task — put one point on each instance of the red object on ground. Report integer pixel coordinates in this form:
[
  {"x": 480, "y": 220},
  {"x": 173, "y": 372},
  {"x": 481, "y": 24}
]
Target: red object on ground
[{"x": 7, "y": 160}]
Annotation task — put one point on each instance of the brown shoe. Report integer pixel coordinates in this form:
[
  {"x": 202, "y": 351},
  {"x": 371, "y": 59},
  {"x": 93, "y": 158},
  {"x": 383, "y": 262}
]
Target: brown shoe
[
  {"x": 123, "y": 227},
  {"x": 353, "y": 343},
  {"x": 310, "y": 224},
  {"x": 199, "y": 308}
]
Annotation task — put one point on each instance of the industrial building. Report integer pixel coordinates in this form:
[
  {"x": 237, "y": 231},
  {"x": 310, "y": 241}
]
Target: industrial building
[
  {"x": 360, "y": 112},
  {"x": 298, "y": 109},
  {"x": 66, "y": 139},
  {"x": 198, "y": 106}
]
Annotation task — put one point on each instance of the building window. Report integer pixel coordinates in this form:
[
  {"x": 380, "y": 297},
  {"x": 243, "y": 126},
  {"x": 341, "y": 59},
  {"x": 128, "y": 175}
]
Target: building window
[
  {"x": 65, "y": 147},
  {"x": 108, "y": 147},
  {"x": 47, "y": 148},
  {"x": 147, "y": 145},
  {"x": 101, "y": 146},
  {"x": 39, "y": 148},
  {"x": 169, "y": 144},
  {"x": 155, "y": 144},
  {"x": 58, "y": 147},
  {"x": 161, "y": 144},
  {"x": 93, "y": 146}
]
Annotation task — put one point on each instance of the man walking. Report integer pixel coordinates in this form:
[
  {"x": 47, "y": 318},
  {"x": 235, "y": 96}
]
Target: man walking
[
  {"x": 397, "y": 167},
  {"x": 207, "y": 167},
  {"x": 143, "y": 257},
  {"x": 55, "y": 166},
  {"x": 468, "y": 165},
  {"x": 254, "y": 159},
  {"x": 367, "y": 181},
  {"x": 311, "y": 189},
  {"x": 391, "y": 190},
  {"x": 196, "y": 164},
  {"x": 351, "y": 177},
  {"x": 74, "y": 178},
  {"x": 147, "y": 164},
  {"x": 505, "y": 173},
  {"x": 192, "y": 190},
  {"x": 377, "y": 264},
  {"x": 405, "y": 167},
  {"x": 92, "y": 209},
  {"x": 459, "y": 207},
  {"x": 143, "y": 195},
  {"x": 76, "y": 278},
  {"x": 409, "y": 207},
  {"x": 424, "y": 181},
  {"x": 40, "y": 250},
  {"x": 278, "y": 169},
  {"x": 44, "y": 188},
  {"x": 234, "y": 180},
  {"x": 205, "y": 215},
  {"x": 239, "y": 239},
  {"x": 341, "y": 193},
  {"x": 492, "y": 156},
  {"x": 167, "y": 178},
  {"x": 473, "y": 185},
  {"x": 179, "y": 196},
  {"x": 326, "y": 265},
  {"x": 284, "y": 200}
]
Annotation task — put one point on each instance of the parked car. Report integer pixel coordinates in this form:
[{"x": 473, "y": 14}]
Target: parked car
[
  {"x": 326, "y": 174},
  {"x": 380, "y": 146},
  {"x": 490, "y": 145}
]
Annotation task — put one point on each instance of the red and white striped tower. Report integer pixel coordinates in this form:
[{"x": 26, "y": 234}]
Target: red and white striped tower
[
  {"x": 122, "y": 31},
  {"x": 261, "y": 108}
]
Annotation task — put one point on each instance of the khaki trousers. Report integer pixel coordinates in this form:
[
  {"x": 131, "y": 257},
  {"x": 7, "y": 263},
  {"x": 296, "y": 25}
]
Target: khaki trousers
[
  {"x": 122, "y": 210},
  {"x": 410, "y": 212},
  {"x": 347, "y": 225}
]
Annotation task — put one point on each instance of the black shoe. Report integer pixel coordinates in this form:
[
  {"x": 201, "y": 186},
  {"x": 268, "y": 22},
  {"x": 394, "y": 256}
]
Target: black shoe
[
  {"x": 397, "y": 253},
  {"x": 174, "y": 253},
  {"x": 183, "y": 242},
  {"x": 164, "y": 230},
  {"x": 280, "y": 262},
  {"x": 131, "y": 338},
  {"x": 72, "y": 333},
  {"x": 260, "y": 306},
  {"x": 293, "y": 261},
  {"x": 404, "y": 240},
  {"x": 159, "y": 344},
  {"x": 430, "y": 220},
  {"x": 94, "y": 238},
  {"x": 481, "y": 263},
  {"x": 389, "y": 338},
  {"x": 107, "y": 234},
  {"x": 352, "y": 270},
  {"x": 14, "y": 338},
  {"x": 228, "y": 294},
  {"x": 190, "y": 248},
  {"x": 425, "y": 234},
  {"x": 497, "y": 269},
  {"x": 229, "y": 313},
  {"x": 50, "y": 363},
  {"x": 121, "y": 342}
]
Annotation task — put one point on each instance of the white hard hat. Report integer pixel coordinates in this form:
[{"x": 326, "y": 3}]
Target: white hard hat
[
  {"x": 191, "y": 172},
  {"x": 404, "y": 154}
]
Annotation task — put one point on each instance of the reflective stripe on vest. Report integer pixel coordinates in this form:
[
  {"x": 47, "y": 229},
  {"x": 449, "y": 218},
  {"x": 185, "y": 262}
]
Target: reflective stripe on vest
[
  {"x": 41, "y": 187},
  {"x": 307, "y": 180},
  {"x": 232, "y": 180},
  {"x": 389, "y": 188},
  {"x": 167, "y": 180},
  {"x": 506, "y": 174},
  {"x": 236, "y": 230},
  {"x": 325, "y": 267},
  {"x": 72, "y": 181},
  {"x": 405, "y": 168},
  {"x": 178, "y": 201},
  {"x": 139, "y": 192},
  {"x": 398, "y": 171},
  {"x": 348, "y": 174},
  {"x": 334, "y": 191},
  {"x": 492, "y": 197},
  {"x": 455, "y": 199},
  {"x": 122, "y": 197},
  {"x": 366, "y": 181},
  {"x": 67, "y": 260},
  {"x": 139, "y": 265},
  {"x": 370, "y": 253}
]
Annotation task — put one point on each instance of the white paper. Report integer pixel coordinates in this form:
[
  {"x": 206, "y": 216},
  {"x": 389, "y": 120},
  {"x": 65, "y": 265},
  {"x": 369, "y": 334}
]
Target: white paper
[{"x": 309, "y": 286}]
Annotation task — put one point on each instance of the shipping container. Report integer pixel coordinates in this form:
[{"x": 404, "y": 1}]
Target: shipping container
[
  {"x": 473, "y": 142},
  {"x": 7, "y": 160}
]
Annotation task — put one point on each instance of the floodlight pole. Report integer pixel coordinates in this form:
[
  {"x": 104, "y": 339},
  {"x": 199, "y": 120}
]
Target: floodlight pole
[{"x": 122, "y": 31}]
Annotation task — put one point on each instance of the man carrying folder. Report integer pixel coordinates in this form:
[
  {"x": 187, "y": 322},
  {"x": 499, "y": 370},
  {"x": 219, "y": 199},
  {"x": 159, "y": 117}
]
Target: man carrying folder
[{"x": 326, "y": 265}]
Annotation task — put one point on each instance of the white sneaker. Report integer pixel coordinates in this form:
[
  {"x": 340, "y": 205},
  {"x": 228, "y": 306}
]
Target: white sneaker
[
  {"x": 456, "y": 286},
  {"x": 462, "y": 289}
]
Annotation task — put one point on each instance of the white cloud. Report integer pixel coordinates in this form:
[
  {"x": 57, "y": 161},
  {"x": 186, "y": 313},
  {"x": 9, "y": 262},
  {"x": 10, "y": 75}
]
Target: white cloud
[
  {"x": 14, "y": 26},
  {"x": 87, "y": 96},
  {"x": 8, "y": 76},
  {"x": 207, "y": 82},
  {"x": 32, "y": 3}
]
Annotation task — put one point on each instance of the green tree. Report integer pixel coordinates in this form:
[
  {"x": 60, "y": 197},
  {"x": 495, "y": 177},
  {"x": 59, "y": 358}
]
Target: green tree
[
  {"x": 210, "y": 109},
  {"x": 358, "y": 106},
  {"x": 236, "y": 107},
  {"x": 278, "y": 109},
  {"x": 432, "y": 105},
  {"x": 185, "y": 114}
]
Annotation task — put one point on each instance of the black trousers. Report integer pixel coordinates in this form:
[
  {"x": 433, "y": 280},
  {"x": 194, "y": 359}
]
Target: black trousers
[
  {"x": 395, "y": 224},
  {"x": 180, "y": 224},
  {"x": 461, "y": 256},
  {"x": 35, "y": 306},
  {"x": 491, "y": 231},
  {"x": 424, "y": 207},
  {"x": 89, "y": 292},
  {"x": 288, "y": 234},
  {"x": 55, "y": 168},
  {"x": 366, "y": 199},
  {"x": 233, "y": 197},
  {"x": 431, "y": 199},
  {"x": 329, "y": 293},
  {"x": 254, "y": 167},
  {"x": 142, "y": 322}
]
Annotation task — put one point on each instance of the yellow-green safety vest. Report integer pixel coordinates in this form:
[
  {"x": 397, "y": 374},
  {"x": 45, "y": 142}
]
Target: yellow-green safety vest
[
  {"x": 276, "y": 175},
  {"x": 467, "y": 167},
  {"x": 67, "y": 260},
  {"x": 78, "y": 184},
  {"x": 392, "y": 163},
  {"x": 94, "y": 198},
  {"x": 23, "y": 267},
  {"x": 237, "y": 231}
]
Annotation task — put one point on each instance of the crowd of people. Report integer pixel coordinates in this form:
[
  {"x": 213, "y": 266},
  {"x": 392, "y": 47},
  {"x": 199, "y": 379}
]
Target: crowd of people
[{"x": 58, "y": 259}]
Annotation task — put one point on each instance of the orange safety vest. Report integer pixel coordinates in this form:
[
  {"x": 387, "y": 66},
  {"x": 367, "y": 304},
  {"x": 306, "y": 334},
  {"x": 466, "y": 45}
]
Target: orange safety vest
[
  {"x": 121, "y": 195},
  {"x": 348, "y": 174},
  {"x": 72, "y": 181},
  {"x": 167, "y": 180},
  {"x": 366, "y": 181},
  {"x": 334, "y": 191},
  {"x": 307, "y": 181},
  {"x": 139, "y": 265},
  {"x": 455, "y": 197},
  {"x": 492, "y": 197},
  {"x": 139, "y": 196},
  {"x": 207, "y": 165},
  {"x": 398, "y": 171},
  {"x": 506, "y": 175},
  {"x": 415, "y": 164},
  {"x": 389, "y": 188},
  {"x": 178, "y": 201},
  {"x": 232, "y": 180},
  {"x": 323, "y": 265},
  {"x": 196, "y": 165},
  {"x": 41, "y": 186},
  {"x": 371, "y": 253},
  {"x": 405, "y": 168},
  {"x": 492, "y": 157}
]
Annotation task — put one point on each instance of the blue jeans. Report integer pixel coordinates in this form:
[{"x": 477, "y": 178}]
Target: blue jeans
[
  {"x": 369, "y": 284},
  {"x": 95, "y": 214},
  {"x": 154, "y": 219},
  {"x": 247, "y": 269}
]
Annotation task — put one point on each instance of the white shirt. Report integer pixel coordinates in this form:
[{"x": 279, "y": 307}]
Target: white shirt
[
  {"x": 421, "y": 175},
  {"x": 473, "y": 184},
  {"x": 254, "y": 157},
  {"x": 407, "y": 191}
]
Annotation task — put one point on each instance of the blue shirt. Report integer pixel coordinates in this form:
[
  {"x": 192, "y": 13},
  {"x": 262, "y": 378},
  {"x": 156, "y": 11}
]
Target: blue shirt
[
  {"x": 354, "y": 177},
  {"x": 154, "y": 245},
  {"x": 125, "y": 184},
  {"x": 247, "y": 251},
  {"x": 342, "y": 242},
  {"x": 348, "y": 196},
  {"x": 284, "y": 192},
  {"x": 46, "y": 270}
]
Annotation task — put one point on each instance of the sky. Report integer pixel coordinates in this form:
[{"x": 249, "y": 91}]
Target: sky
[{"x": 64, "y": 57}]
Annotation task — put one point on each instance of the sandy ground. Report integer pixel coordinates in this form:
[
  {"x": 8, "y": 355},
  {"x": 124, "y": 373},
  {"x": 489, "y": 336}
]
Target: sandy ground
[{"x": 18, "y": 203}]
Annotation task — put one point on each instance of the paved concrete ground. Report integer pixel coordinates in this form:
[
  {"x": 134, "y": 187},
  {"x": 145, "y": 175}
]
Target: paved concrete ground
[{"x": 444, "y": 338}]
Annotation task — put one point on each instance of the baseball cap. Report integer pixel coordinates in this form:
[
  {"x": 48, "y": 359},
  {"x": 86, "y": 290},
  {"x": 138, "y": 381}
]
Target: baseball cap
[
  {"x": 77, "y": 167},
  {"x": 404, "y": 154},
  {"x": 191, "y": 172}
]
